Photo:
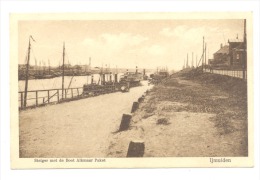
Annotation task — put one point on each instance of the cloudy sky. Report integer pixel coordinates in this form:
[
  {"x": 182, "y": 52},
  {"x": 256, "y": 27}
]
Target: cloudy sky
[{"x": 124, "y": 43}]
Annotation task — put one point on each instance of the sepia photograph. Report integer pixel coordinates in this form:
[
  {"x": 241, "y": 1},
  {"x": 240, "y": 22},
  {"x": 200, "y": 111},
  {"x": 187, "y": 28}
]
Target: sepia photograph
[{"x": 133, "y": 87}]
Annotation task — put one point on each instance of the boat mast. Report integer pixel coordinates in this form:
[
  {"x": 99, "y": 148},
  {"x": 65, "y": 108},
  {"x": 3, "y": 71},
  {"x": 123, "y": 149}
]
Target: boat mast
[
  {"x": 35, "y": 66},
  {"x": 63, "y": 59},
  {"x": 49, "y": 66},
  {"x": 27, "y": 72}
]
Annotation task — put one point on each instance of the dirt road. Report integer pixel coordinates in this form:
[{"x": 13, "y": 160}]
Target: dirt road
[{"x": 75, "y": 129}]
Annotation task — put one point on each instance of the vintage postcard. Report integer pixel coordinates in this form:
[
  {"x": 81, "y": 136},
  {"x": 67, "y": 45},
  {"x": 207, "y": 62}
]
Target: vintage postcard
[{"x": 131, "y": 90}]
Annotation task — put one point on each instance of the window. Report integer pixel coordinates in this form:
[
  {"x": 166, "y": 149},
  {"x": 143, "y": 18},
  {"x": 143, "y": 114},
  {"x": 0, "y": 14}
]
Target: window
[{"x": 237, "y": 56}]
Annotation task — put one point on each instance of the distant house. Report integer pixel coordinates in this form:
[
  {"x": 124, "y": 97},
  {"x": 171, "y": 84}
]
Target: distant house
[
  {"x": 221, "y": 57},
  {"x": 231, "y": 55}
]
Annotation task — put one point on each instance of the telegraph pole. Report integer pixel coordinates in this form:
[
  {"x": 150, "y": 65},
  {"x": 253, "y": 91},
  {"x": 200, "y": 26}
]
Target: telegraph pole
[
  {"x": 245, "y": 52},
  {"x": 203, "y": 55}
]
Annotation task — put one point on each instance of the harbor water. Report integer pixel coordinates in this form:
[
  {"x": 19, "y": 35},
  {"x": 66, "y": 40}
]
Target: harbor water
[{"x": 56, "y": 83}]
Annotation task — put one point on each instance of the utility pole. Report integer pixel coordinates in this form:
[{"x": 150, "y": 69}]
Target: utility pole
[
  {"x": 192, "y": 61},
  {"x": 49, "y": 67},
  {"x": 245, "y": 52},
  {"x": 89, "y": 65},
  {"x": 203, "y": 55},
  {"x": 196, "y": 60},
  {"x": 187, "y": 63}
]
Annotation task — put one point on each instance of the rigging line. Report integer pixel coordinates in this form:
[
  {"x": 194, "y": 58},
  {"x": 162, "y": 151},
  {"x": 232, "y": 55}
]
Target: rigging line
[
  {"x": 202, "y": 55},
  {"x": 70, "y": 81},
  {"x": 200, "y": 60}
]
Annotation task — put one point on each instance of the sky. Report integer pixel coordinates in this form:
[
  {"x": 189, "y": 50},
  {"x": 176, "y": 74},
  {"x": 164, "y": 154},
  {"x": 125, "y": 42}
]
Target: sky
[{"x": 124, "y": 43}]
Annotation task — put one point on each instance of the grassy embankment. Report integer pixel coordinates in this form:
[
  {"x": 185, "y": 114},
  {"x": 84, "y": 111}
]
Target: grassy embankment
[
  {"x": 221, "y": 95},
  {"x": 191, "y": 114}
]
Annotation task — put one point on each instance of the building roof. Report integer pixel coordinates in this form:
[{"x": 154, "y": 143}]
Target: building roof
[
  {"x": 223, "y": 50},
  {"x": 235, "y": 40}
]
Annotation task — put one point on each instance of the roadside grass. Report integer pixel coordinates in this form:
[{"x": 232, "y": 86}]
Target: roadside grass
[{"x": 221, "y": 95}]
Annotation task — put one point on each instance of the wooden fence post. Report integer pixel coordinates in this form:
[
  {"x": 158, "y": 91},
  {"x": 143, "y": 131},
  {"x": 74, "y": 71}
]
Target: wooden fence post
[
  {"x": 135, "y": 106},
  {"x": 36, "y": 96},
  {"x": 48, "y": 97},
  {"x": 21, "y": 100},
  {"x": 58, "y": 96}
]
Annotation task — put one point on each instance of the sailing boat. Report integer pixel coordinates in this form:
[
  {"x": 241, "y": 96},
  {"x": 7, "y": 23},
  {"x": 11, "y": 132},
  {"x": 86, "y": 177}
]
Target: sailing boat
[{"x": 45, "y": 75}]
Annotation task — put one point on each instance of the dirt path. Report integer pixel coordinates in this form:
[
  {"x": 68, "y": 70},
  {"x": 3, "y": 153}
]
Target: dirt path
[
  {"x": 74, "y": 129},
  {"x": 186, "y": 119}
]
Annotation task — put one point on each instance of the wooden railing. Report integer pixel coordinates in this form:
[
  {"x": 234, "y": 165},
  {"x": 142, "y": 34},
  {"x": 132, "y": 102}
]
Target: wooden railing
[
  {"x": 36, "y": 98},
  {"x": 233, "y": 73},
  {"x": 42, "y": 97}
]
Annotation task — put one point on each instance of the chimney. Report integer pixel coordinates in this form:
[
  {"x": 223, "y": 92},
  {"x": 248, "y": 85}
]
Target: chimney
[{"x": 221, "y": 45}]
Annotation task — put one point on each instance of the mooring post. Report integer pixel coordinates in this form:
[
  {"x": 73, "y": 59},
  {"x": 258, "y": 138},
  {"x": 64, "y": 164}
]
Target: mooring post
[
  {"x": 71, "y": 93},
  {"x": 125, "y": 122},
  {"x": 141, "y": 99},
  {"x": 136, "y": 149},
  {"x": 78, "y": 91},
  {"x": 135, "y": 107}
]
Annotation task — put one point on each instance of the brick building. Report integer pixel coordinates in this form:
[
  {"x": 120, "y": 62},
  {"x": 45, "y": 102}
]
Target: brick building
[
  {"x": 232, "y": 55},
  {"x": 221, "y": 57}
]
